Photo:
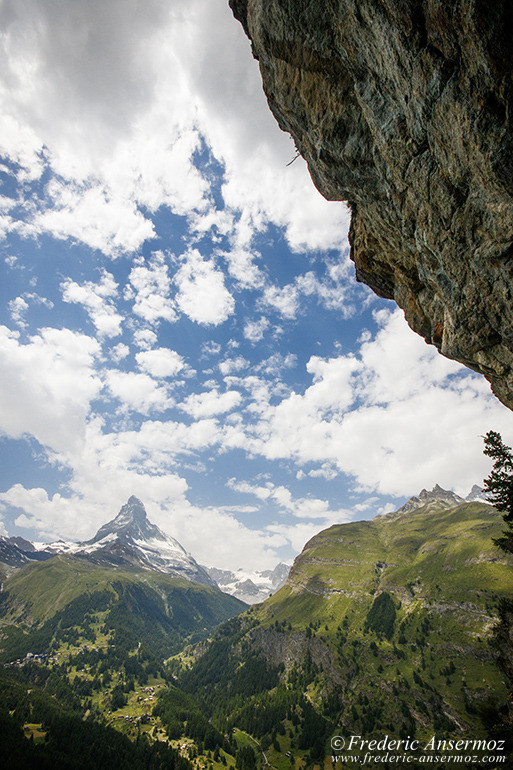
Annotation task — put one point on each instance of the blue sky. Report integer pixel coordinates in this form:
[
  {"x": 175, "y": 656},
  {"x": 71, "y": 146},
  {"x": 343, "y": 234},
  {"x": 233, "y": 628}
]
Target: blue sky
[{"x": 179, "y": 316}]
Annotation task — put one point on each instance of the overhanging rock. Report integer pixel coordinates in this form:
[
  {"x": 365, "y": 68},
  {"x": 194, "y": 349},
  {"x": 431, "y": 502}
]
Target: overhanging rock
[{"x": 403, "y": 108}]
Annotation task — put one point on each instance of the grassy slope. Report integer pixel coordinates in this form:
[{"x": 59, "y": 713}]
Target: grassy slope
[
  {"x": 42, "y": 599},
  {"x": 432, "y": 556},
  {"x": 444, "y": 576},
  {"x": 40, "y": 590}
]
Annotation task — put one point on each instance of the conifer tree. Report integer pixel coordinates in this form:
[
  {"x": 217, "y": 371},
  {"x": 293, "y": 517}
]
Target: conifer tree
[{"x": 499, "y": 485}]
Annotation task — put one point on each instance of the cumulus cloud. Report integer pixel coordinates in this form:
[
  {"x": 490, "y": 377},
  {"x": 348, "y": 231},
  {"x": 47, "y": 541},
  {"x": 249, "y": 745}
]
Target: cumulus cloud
[
  {"x": 149, "y": 288},
  {"x": 92, "y": 215},
  {"x": 281, "y": 496},
  {"x": 254, "y": 330},
  {"x": 202, "y": 294},
  {"x": 242, "y": 267},
  {"x": 210, "y": 348},
  {"x": 299, "y": 534},
  {"x": 332, "y": 292},
  {"x": 145, "y": 338},
  {"x": 137, "y": 391},
  {"x": 17, "y": 309},
  {"x": 19, "y": 306},
  {"x": 276, "y": 363},
  {"x": 207, "y": 404},
  {"x": 119, "y": 352},
  {"x": 160, "y": 362},
  {"x": 118, "y": 105},
  {"x": 111, "y": 122},
  {"x": 97, "y": 299},
  {"x": 47, "y": 386},
  {"x": 395, "y": 415},
  {"x": 230, "y": 365}
]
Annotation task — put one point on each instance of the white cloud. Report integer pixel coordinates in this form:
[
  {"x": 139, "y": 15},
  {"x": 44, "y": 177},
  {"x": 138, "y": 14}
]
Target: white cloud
[
  {"x": 202, "y": 295},
  {"x": 254, "y": 330},
  {"x": 207, "y": 404},
  {"x": 92, "y": 215},
  {"x": 47, "y": 386},
  {"x": 118, "y": 104},
  {"x": 19, "y": 306},
  {"x": 111, "y": 466},
  {"x": 276, "y": 363},
  {"x": 301, "y": 508},
  {"x": 137, "y": 391},
  {"x": 230, "y": 365},
  {"x": 242, "y": 267},
  {"x": 332, "y": 292},
  {"x": 150, "y": 287},
  {"x": 236, "y": 120},
  {"x": 17, "y": 309},
  {"x": 210, "y": 348},
  {"x": 299, "y": 534},
  {"x": 119, "y": 352},
  {"x": 115, "y": 108},
  {"x": 210, "y": 534},
  {"x": 326, "y": 471},
  {"x": 160, "y": 362},
  {"x": 145, "y": 338},
  {"x": 97, "y": 299},
  {"x": 284, "y": 300},
  {"x": 396, "y": 416}
]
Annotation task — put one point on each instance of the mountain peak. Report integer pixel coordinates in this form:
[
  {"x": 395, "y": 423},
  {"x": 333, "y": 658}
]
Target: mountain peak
[
  {"x": 133, "y": 510},
  {"x": 425, "y": 497},
  {"x": 131, "y": 522},
  {"x": 477, "y": 494}
]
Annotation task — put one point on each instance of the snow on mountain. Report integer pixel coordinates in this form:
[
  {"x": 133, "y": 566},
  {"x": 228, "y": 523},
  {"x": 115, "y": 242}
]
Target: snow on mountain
[
  {"x": 250, "y": 587},
  {"x": 131, "y": 539},
  {"x": 11, "y": 554},
  {"x": 476, "y": 495}
]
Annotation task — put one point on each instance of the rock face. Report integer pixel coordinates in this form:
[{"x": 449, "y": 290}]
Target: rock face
[
  {"x": 437, "y": 495},
  {"x": 130, "y": 539},
  {"x": 403, "y": 108}
]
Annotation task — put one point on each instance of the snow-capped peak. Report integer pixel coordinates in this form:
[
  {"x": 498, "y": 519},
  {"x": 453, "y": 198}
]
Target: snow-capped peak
[
  {"x": 130, "y": 538},
  {"x": 132, "y": 521}
]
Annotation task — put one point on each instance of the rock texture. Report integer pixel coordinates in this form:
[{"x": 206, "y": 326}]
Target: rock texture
[
  {"x": 437, "y": 495},
  {"x": 403, "y": 109}
]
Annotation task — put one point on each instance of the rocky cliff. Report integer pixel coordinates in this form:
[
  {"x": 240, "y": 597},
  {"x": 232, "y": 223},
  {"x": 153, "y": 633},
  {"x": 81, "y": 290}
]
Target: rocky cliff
[{"x": 402, "y": 108}]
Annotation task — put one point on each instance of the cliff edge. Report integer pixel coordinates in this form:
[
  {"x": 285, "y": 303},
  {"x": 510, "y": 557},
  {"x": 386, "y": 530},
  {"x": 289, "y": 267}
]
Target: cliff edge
[{"x": 403, "y": 108}]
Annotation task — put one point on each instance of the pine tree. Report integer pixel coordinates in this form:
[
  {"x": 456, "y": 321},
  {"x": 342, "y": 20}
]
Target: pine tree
[{"x": 499, "y": 485}]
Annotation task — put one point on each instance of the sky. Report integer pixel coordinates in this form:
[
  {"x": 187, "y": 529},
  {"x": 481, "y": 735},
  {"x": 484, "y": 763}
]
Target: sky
[{"x": 180, "y": 319}]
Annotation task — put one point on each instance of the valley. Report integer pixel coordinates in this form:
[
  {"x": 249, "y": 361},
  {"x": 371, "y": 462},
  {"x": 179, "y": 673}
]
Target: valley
[{"x": 383, "y": 627}]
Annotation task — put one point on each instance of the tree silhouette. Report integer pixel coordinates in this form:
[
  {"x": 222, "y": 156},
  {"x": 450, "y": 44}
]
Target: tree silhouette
[{"x": 499, "y": 485}]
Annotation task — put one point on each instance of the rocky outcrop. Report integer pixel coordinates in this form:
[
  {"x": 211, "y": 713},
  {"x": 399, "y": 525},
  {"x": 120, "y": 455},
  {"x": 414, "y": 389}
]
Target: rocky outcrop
[
  {"x": 293, "y": 648},
  {"x": 436, "y": 496},
  {"x": 403, "y": 108}
]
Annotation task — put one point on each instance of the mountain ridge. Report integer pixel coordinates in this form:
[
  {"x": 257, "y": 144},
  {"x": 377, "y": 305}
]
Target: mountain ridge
[
  {"x": 131, "y": 539},
  {"x": 251, "y": 587},
  {"x": 383, "y": 625}
]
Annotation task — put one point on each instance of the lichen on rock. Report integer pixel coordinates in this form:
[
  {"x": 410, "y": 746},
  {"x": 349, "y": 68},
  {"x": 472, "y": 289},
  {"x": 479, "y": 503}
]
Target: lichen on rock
[{"x": 403, "y": 108}]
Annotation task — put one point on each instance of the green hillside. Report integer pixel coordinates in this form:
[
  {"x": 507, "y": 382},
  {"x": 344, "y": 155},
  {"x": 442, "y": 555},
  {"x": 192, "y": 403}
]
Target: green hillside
[
  {"x": 428, "y": 557},
  {"x": 383, "y": 627},
  {"x": 68, "y": 599},
  {"x": 42, "y": 725}
]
